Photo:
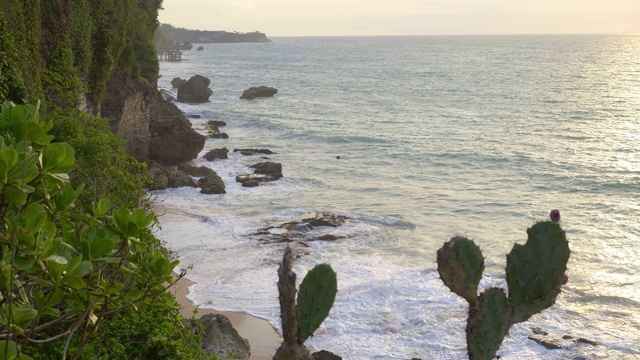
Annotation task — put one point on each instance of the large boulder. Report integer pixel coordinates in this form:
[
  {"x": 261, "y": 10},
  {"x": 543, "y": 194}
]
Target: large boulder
[
  {"x": 195, "y": 90},
  {"x": 163, "y": 177},
  {"x": 197, "y": 171},
  {"x": 263, "y": 172},
  {"x": 221, "y": 339},
  {"x": 172, "y": 140},
  {"x": 212, "y": 184},
  {"x": 261, "y": 91},
  {"x": 267, "y": 168}
]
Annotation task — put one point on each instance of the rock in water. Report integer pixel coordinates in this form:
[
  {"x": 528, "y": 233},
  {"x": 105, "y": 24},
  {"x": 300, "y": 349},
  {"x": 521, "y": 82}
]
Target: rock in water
[
  {"x": 221, "y": 339},
  {"x": 217, "y": 154},
  {"x": 195, "y": 90},
  {"x": 172, "y": 140},
  {"x": 212, "y": 184},
  {"x": 177, "y": 82},
  {"x": 254, "y": 92}
]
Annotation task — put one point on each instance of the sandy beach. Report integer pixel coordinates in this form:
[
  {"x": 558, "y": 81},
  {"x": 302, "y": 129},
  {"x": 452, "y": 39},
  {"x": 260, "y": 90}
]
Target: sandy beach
[{"x": 262, "y": 337}]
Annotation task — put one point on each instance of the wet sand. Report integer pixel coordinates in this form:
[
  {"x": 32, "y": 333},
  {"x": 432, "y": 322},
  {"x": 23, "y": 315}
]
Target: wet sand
[{"x": 262, "y": 337}]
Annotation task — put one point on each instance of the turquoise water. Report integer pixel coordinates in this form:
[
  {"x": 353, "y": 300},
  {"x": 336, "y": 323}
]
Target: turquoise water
[{"x": 437, "y": 136}]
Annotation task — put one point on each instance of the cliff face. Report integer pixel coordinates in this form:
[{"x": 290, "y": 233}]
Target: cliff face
[
  {"x": 151, "y": 127},
  {"x": 98, "y": 57}
]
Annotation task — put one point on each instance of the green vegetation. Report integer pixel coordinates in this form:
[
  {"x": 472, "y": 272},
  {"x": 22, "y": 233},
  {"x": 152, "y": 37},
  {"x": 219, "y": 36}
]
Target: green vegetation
[
  {"x": 81, "y": 274},
  {"x": 65, "y": 275},
  {"x": 181, "y": 35},
  {"x": 535, "y": 273},
  {"x": 315, "y": 299}
]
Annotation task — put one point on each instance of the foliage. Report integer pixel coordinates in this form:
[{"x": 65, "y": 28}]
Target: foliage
[
  {"x": 62, "y": 273},
  {"x": 154, "y": 330},
  {"x": 182, "y": 35},
  {"x": 11, "y": 83},
  {"x": 104, "y": 166},
  {"x": 535, "y": 273}
]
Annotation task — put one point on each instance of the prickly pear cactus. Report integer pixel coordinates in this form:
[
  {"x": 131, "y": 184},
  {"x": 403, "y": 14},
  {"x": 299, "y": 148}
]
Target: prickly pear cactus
[
  {"x": 535, "y": 269},
  {"x": 460, "y": 264},
  {"x": 535, "y": 273},
  {"x": 315, "y": 298},
  {"x": 488, "y": 324}
]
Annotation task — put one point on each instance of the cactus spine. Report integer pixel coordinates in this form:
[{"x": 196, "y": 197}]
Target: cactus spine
[
  {"x": 299, "y": 321},
  {"x": 535, "y": 272}
]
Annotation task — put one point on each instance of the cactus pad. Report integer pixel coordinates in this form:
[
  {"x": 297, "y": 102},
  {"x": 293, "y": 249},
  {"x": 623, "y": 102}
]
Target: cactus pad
[
  {"x": 488, "y": 324},
  {"x": 535, "y": 270},
  {"x": 315, "y": 298},
  {"x": 460, "y": 265}
]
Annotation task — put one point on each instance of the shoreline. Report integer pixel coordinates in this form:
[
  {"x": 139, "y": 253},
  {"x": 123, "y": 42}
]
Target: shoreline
[{"x": 263, "y": 339}]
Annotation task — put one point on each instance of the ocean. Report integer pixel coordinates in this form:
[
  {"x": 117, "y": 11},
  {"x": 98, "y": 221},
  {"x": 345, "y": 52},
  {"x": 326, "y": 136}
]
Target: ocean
[{"x": 437, "y": 136}]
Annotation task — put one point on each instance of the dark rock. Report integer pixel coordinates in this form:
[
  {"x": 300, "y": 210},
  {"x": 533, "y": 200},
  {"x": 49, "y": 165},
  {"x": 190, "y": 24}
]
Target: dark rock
[
  {"x": 200, "y": 48},
  {"x": 250, "y": 180},
  {"x": 221, "y": 339},
  {"x": 586, "y": 341},
  {"x": 212, "y": 184},
  {"x": 217, "y": 154},
  {"x": 324, "y": 219},
  {"x": 267, "y": 168},
  {"x": 195, "y": 90},
  {"x": 291, "y": 351},
  {"x": 567, "y": 337},
  {"x": 325, "y": 355},
  {"x": 538, "y": 331},
  {"x": 546, "y": 342},
  {"x": 216, "y": 123},
  {"x": 172, "y": 140},
  {"x": 165, "y": 177},
  {"x": 262, "y": 91},
  {"x": 327, "y": 237},
  {"x": 218, "y": 136},
  {"x": 250, "y": 152},
  {"x": 194, "y": 116},
  {"x": 298, "y": 230},
  {"x": 249, "y": 183},
  {"x": 177, "y": 82},
  {"x": 197, "y": 171}
]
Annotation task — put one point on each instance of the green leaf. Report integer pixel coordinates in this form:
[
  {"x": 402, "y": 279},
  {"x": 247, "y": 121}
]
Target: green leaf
[
  {"x": 84, "y": 268},
  {"x": 101, "y": 247},
  {"x": 74, "y": 282},
  {"x": 35, "y": 216},
  {"x": 4, "y": 168},
  {"x": 56, "y": 259},
  {"x": 121, "y": 218},
  {"x": 102, "y": 207},
  {"x": 134, "y": 294},
  {"x": 8, "y": 347},
  {"x": 58, "y": 158},
  {"x": 23, "y": 263},
  {"x": 22, "y": 316}
]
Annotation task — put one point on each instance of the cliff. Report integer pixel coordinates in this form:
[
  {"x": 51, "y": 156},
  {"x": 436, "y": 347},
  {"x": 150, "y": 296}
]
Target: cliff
[
  {"x": 96, "y": 57},
  {"x": 181, "y": 35}
]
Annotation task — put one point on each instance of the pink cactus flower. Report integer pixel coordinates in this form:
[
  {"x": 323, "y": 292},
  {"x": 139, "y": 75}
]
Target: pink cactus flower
[{"x": 555, "y": 215}]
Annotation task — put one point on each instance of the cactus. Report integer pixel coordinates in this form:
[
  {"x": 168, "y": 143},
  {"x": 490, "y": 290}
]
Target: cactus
[
  {"x": 535, "y": 273},
  {"x": 317, "y": 294}
]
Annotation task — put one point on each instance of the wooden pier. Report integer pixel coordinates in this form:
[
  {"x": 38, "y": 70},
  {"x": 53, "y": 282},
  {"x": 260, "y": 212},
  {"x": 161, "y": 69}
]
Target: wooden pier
[{"x": 171, "y": 56}]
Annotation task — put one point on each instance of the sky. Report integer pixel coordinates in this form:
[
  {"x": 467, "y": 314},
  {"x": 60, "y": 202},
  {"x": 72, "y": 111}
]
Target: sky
[{"x": 406, "y": 17}]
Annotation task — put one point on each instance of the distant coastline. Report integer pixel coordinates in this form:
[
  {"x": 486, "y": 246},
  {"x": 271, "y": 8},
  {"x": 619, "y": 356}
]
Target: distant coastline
[{"x": 182, "y": 35}]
